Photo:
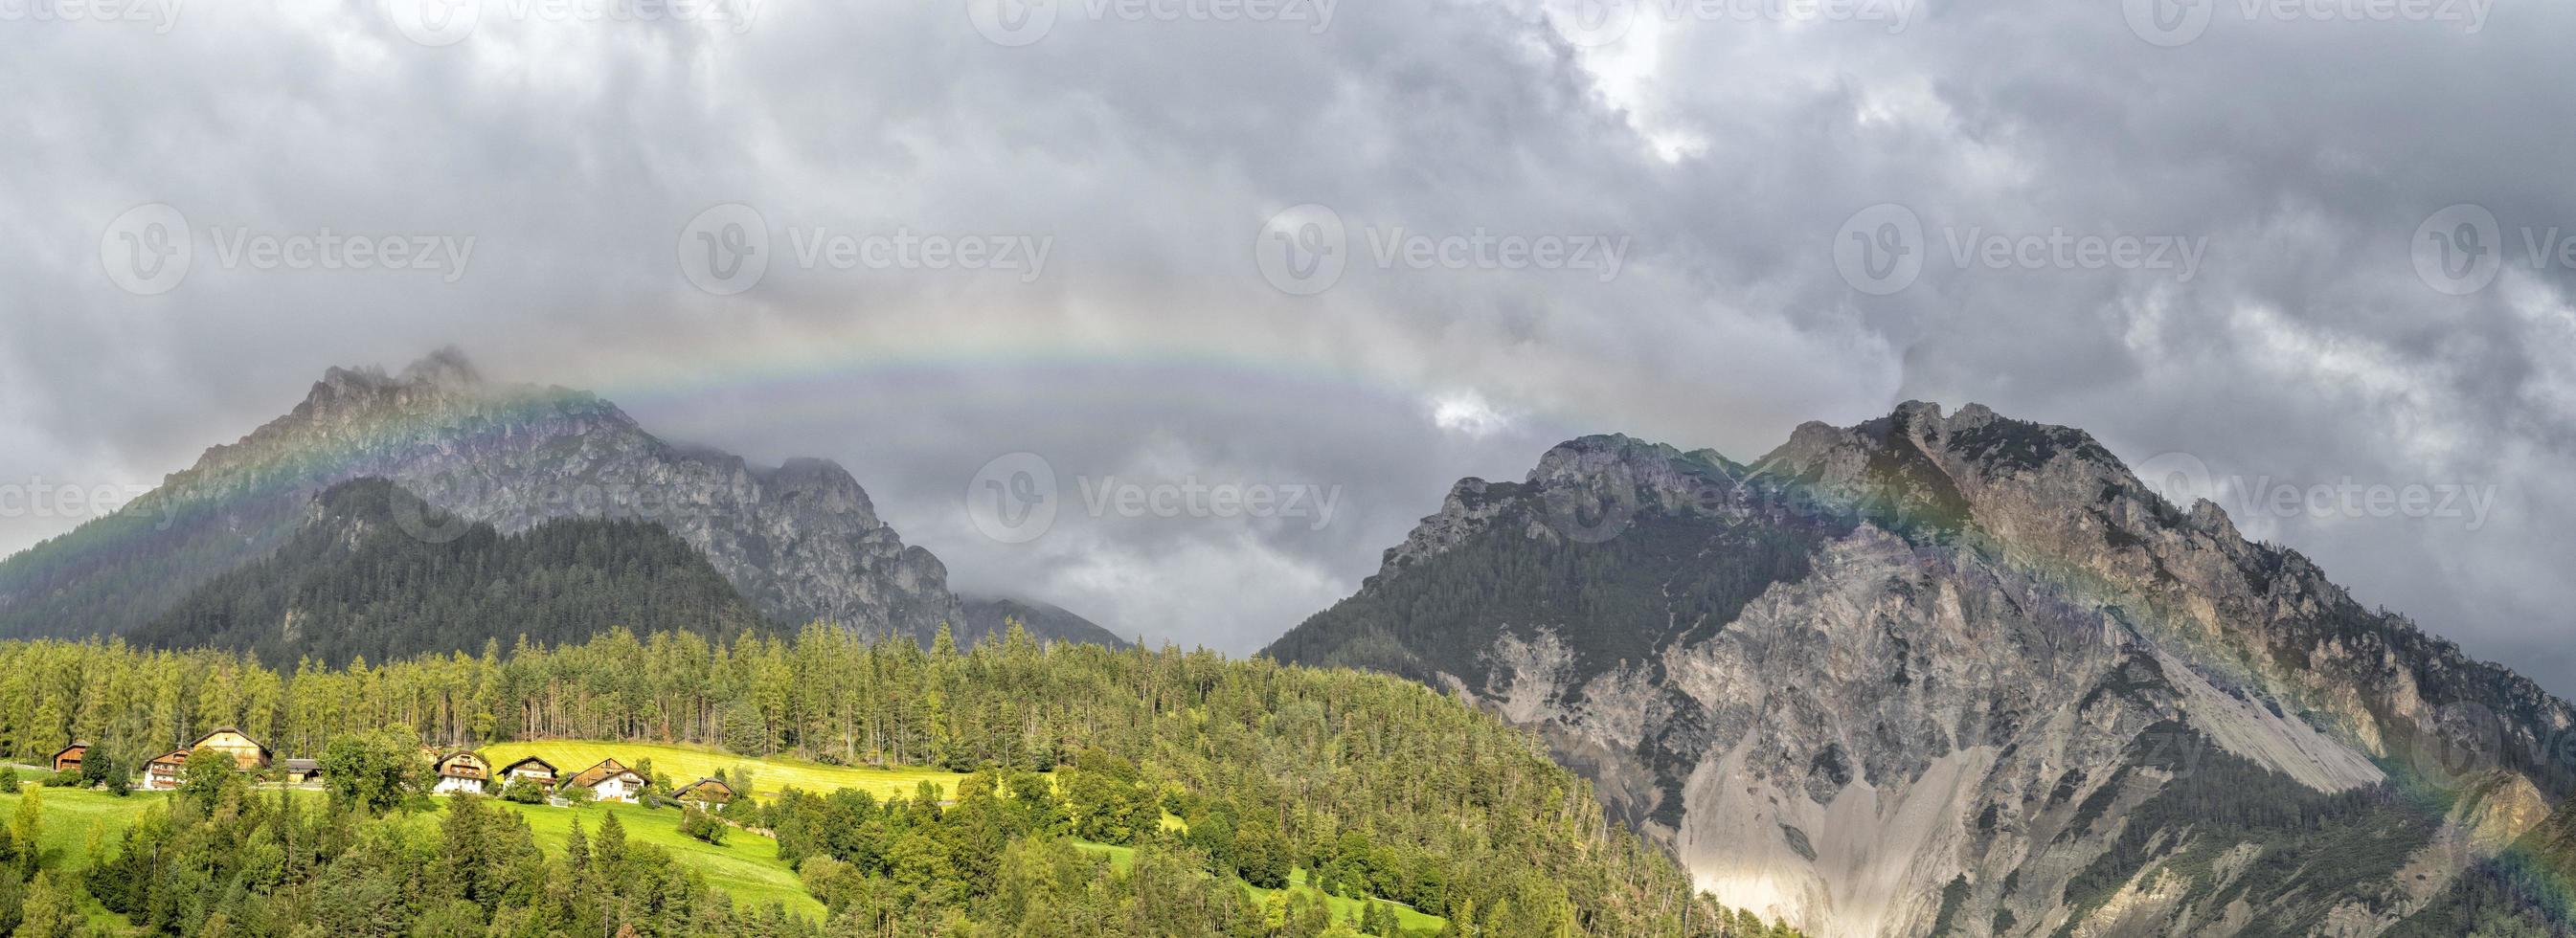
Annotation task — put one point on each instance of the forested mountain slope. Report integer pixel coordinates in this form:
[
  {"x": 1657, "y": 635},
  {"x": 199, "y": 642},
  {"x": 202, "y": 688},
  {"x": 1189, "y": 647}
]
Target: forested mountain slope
[
  {"x": 1379, "y": 788},
  {"x": 1967, "y": 674},
  {"x": 359, "y": 580}
]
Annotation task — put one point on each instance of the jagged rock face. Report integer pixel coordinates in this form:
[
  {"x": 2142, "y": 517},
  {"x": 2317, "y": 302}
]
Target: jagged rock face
[
  {"x": 801, "y": 541},
  {"x": 1960, "y": 674}
]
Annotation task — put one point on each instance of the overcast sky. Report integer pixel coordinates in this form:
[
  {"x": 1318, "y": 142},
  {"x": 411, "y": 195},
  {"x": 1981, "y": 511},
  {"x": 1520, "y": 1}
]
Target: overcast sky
[{"x": 1357, "y": 250}]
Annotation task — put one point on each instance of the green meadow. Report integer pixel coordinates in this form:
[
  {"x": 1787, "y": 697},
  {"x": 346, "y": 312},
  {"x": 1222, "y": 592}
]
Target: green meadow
[{"x": 685, "y": 764}]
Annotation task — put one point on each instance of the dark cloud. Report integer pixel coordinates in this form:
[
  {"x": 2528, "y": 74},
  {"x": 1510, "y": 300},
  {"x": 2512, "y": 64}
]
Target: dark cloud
[{"x": 1724, "y": 152}]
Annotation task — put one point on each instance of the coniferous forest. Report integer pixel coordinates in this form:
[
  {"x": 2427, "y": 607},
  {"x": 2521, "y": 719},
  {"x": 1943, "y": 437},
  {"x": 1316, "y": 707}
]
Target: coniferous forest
[{"x": 1215, "y": 773}]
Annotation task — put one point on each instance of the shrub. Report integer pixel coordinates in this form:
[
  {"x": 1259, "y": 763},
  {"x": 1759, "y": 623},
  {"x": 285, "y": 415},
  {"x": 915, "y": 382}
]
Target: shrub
[
  {"x": 8, "y": 779},
  {"x": 701, "y": 825}
]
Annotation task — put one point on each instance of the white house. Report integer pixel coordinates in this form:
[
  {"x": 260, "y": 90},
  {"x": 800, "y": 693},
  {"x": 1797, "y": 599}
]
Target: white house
[
  {"x": 610, "y": 780},
  {"x": 463, "y": 771}
]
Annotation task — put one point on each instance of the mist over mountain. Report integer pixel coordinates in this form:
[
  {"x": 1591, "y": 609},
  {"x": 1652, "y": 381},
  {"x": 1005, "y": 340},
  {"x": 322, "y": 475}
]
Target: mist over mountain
[{"x": 1963, "y": 674}]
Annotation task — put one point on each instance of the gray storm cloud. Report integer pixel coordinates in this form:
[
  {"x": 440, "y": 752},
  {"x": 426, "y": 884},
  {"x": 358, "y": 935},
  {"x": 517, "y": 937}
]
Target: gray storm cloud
[{"x": 1280, "y": 249}]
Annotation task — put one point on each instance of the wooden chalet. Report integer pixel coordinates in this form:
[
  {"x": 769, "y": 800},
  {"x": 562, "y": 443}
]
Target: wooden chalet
[
  {"x": 248, "y": 755},
  {"x": 531, "y": 771},
  {"x": 610, "y": 780},
  {"x": 705, "y": 793},
  {"x": 462, "y": 771},
  {"x": 68, "y": 758}
]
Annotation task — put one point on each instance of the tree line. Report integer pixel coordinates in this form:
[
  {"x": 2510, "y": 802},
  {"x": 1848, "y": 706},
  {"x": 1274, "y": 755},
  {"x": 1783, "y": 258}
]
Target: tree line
[{"x": 1212, "y": 770}]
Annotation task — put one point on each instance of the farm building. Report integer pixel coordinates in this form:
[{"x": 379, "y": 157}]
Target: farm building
[
  {"x": 705, "y": 793},
  {"x": 532, "y": 771},
  {"x": 462, "y": 771},
  {"x": 68, "y": 759},
  {"x": 300, "y": 771},
  {"x": 610, "y": 780},
  {"x": 165, "y": 770},
  {"x": 248, "y": 755}
]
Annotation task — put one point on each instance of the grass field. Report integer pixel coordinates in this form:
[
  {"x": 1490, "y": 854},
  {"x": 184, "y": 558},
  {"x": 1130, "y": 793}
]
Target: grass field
[
  {"x": 1121, "y": 858},
  {"x": 69, "y": 815},
  {"x": 685, "y": 764},
  {"x": 746, "y": 866}
]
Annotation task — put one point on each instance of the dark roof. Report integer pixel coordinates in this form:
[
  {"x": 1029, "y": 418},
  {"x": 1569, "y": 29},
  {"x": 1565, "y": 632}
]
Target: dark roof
[
  {"x": 703, "y": 783},
  {"x": 303, "y": 765},
  {"x": 76, "y": 744},
  {"x": 606, "y": 769},
  {"x": 447, "y": 767},
  {"x": 512, "y": 767}
]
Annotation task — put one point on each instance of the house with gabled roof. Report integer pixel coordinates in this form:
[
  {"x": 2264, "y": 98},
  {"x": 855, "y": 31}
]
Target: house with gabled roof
[
  {"x": 68, "y": 759},
  {"x": 462, "y": 772},
  {"x": 165, "y": 771},
  {"x": 610, "y": 780},
  {"x": 531, "y": 771},
  {"x": 705, "y": 793},
  {"x": 248, "y": 754}
]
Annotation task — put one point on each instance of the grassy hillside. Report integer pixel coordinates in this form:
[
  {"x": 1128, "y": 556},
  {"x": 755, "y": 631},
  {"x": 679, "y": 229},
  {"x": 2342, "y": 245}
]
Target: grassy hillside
[
  {"x": 69, "y": 815},
  {"x": 746, "y": 866},
  {"x": 685, "y": 764}
]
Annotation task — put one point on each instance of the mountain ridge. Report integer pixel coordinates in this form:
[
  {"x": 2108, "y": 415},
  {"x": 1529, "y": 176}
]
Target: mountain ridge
[
  {"x": 802, "y": 540},
  {"x": 1854, "y": 676}
]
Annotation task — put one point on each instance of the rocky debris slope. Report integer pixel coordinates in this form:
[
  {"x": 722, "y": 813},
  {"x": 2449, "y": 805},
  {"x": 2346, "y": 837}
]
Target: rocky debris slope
[{"x": 1961, "y": 672}]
